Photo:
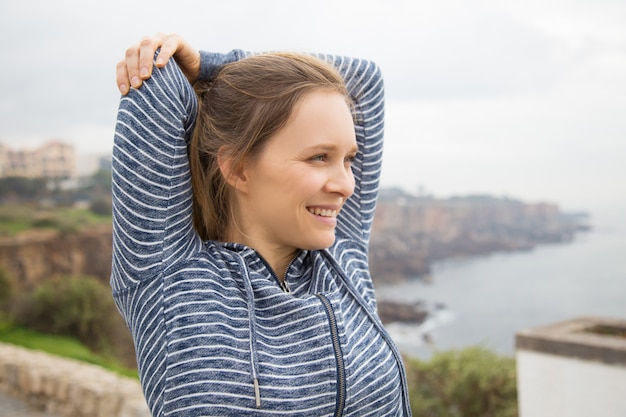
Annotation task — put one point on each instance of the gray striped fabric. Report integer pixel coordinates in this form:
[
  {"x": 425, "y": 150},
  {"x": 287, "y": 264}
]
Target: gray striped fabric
[{"x": 209, "y": 319}]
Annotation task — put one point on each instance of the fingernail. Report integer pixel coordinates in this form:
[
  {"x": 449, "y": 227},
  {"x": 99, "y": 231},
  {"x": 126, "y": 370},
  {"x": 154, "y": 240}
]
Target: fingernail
[
  {"x": 143, "y": 72},
  {"x": 123, "y": 88},
  {"x": 135, "y": 81},
  {"x": 159, "y": 61}
]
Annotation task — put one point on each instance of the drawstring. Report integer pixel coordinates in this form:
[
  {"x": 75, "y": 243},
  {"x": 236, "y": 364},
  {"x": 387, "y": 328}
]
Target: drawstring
[
  {"x": 254, "y": 360},
  {"x": 240, "y": 252},
  {"x": 257, "y": 392}
]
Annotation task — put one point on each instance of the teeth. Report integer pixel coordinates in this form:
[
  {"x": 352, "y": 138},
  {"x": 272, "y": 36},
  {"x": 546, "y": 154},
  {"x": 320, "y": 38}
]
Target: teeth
[{"x": 323, "y": 212}]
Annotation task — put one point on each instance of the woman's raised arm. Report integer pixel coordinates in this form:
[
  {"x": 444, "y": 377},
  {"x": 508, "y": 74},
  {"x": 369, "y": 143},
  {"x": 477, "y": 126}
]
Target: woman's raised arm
[
  {"x": 365, "y": 84},
  {"x": 152, "y": 197},
  {"x": 150, "y": 173}
]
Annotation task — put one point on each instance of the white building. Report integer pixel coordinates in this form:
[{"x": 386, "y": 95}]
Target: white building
[{"x": 53, "y": 159}]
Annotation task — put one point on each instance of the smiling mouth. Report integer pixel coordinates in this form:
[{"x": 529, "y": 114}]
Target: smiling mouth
[{"x": 323, "y": 212}]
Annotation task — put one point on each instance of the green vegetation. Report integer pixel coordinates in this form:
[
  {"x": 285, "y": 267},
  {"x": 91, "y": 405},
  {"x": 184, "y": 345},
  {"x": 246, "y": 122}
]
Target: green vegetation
[
  {"x": 64, "y": 346},
  {"x": 73, "y": 317},
  {"x": 20, "y": 187},
  {"x": 27, "y": 203},
  {"x": 18, "y": 218},
  {"x": 459, "y": 383},
  {"x": 76, "y": 306}
]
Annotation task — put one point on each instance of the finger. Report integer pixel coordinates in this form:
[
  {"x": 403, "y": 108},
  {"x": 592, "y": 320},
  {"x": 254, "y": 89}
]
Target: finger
[
  {"x": 131, "y": 61},
  {"x": 121, "y": 78},
  {"x": 169, "y": 46},
  {"x": 186, "y": 56},
  {"x": 147, "y": 48}
]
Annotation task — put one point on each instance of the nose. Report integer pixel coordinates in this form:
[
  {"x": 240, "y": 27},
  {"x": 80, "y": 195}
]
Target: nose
[{"x": 340, "y": 181}]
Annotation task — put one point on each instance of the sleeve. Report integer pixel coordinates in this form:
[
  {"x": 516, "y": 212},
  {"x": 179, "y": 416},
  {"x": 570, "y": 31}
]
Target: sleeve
[
  {"x": 152, "y": 223},
  {"x": 152, "y": 200},
  {"x": 365, "y": 84},
  {"x": 211, "y": 62}
]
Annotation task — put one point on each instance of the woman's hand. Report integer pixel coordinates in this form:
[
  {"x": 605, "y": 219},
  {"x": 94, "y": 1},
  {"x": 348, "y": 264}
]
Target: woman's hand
[{"x": 138, "y": 62}]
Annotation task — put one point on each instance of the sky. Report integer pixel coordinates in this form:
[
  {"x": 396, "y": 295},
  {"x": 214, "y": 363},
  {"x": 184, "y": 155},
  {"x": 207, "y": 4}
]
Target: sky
[{"x": 524, "y": 99}]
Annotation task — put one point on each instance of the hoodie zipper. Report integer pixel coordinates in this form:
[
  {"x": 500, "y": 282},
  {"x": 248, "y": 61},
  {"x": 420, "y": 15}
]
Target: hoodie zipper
[
  {"x": 341, "y": 369},
  {"x": 376, "y": 321}
]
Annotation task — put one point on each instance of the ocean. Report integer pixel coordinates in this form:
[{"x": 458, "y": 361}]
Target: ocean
[{"x": 485, "y": 301}]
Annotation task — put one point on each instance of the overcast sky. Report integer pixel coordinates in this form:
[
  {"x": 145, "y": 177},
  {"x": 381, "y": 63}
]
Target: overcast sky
[{"x": 521, "y": 98}]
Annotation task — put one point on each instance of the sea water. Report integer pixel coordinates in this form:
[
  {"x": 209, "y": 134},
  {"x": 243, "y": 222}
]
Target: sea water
[{"x": 485, "y": 301}]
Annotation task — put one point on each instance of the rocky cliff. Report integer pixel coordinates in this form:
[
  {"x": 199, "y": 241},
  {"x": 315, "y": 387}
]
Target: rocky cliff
[
  {"x": 37, "y": 255},
  {"x": 412, "y": 232}
]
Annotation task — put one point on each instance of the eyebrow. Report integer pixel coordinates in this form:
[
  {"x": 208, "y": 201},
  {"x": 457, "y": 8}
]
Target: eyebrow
[{"x": 330, "y": 147}]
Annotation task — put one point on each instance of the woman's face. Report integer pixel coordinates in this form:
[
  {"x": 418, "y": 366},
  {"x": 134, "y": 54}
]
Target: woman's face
[{"x": 294, "y": 189}]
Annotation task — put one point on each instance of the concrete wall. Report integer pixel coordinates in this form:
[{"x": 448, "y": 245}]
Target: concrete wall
[
  {"x": 66, "y": 387},
  {"x": 567, "y": 369}
]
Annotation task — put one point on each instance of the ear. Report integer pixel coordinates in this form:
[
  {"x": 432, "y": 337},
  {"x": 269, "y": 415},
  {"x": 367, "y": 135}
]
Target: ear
[{"x": 233, "y": 171}]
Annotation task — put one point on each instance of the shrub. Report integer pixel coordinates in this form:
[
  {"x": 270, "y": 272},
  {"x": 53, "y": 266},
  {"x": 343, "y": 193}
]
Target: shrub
[
  {"x": 80, "y": 307},
  {"x": 22, "y": 187},
  {"x": 101, "y": 206},
  {"x": 45, "y": 223},
  {"x": 460, "y": 383}
]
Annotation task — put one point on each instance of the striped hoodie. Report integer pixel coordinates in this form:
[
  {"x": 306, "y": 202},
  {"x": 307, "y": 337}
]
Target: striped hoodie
[{"x": 215, "y": 333}]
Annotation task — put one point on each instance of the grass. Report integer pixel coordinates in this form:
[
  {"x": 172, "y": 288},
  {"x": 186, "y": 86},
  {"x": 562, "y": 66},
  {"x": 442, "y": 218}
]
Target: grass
[
  {"x": 82, "y": 216},
  {"x": 14, "y": 227},
  {"x": 15, "y": 219},
  {"x": 61, "y": 346}
]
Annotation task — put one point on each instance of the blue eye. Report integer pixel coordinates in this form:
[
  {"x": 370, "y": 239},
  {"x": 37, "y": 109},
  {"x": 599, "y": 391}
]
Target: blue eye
[{"x": 321, "y": 157}]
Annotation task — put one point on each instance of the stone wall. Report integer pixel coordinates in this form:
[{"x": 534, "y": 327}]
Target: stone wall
[{"x": 67, "y": 387}]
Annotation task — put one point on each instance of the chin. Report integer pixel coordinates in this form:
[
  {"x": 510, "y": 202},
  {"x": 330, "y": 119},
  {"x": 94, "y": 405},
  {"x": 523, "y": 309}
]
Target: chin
[
  {"x": 319, "y": 244},
  {"x": 328, "y": 243}
]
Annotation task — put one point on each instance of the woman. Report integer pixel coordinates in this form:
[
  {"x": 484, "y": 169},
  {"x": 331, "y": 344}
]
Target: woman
[{"x": 242, "y": 215}]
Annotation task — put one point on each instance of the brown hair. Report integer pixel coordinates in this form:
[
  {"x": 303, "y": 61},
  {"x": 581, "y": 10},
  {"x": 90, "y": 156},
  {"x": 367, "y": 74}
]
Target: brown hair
[{"x": 246, "y": 104}]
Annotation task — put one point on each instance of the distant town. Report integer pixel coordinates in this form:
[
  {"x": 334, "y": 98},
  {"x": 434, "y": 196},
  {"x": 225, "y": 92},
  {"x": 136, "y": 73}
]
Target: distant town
[{"x": 54, "y": 159}]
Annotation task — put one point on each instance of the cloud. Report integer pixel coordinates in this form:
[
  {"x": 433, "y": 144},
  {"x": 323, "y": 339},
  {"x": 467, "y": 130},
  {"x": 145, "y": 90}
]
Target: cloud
[{"x": 501, "y": 95}]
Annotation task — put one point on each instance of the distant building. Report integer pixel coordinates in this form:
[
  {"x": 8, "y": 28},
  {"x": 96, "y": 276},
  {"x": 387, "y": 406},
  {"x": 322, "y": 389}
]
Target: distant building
[{"x": 51, "y": 160}]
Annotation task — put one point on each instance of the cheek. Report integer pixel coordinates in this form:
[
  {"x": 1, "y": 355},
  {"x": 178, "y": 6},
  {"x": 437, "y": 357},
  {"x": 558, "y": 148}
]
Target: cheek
[
  {"x": 302, "y": 182},
  {"x": 289, "y": 182}
]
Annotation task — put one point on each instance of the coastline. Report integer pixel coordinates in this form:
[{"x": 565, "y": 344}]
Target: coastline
[{"x": 486, "y": 300}]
